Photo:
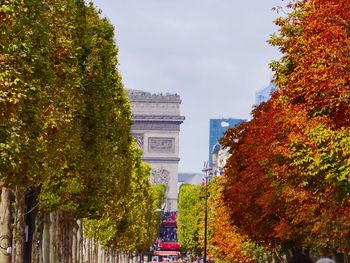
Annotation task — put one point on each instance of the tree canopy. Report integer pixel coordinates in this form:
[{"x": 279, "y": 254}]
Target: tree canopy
[
  {"x": 65, "y": 121},
  {"x": 288, "y": 174}
]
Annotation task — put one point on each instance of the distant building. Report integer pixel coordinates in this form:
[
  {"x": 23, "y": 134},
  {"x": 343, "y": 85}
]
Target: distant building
[
  {"x": 156, "y": 127},
  {"x": 264, "y": 94},
  {"x": 217, "y": 128},
  {"x": 190, "y": 178}
]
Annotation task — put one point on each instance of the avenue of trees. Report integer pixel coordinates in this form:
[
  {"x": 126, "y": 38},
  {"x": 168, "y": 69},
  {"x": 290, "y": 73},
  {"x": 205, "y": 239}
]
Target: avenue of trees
[
  {"x": 286, "y": 184},
  {"x": 224, "y": 242},
  {"x": 73, "y": 186},
  {"x": 288, "y": 178}
]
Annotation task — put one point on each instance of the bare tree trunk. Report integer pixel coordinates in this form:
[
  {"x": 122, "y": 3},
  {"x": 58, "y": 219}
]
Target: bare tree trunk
[
  {"x": 101, "y": 253},
  {"x": 91, "y": 256},
  {"x": 106, "y": 256},
  {"x": 87, "y": 250},
  {"x": 5, "y": 222},
  {"x": 85, "y": 254},
  {"x": 59, "y": 238},
  {"x": 70, "y": 241},
  {"x": 109, "y": 255},
  {"x": 18, "y": 231},
  {"x": 71, "y": 238},
  {"x": 96, "y": 250},
  {"x": 74, "y": 243},
  {"x": 65, "y": 239},
  {"x": 80, "y": 242},
  {"x": 52, "y": 237},
  {"x": 112, "y": 255},
  {"x": 92, "y": 250},
  {"x": 45, "y": 244},
  {"x": 37, "y": 243}
]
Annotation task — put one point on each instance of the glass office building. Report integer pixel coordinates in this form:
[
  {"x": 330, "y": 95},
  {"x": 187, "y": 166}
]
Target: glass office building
[{"x": 217, "y": 128}]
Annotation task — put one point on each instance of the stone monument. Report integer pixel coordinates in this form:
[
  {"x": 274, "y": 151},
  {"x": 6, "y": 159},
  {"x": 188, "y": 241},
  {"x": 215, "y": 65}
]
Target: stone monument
[{"x": 156, "y": 126}]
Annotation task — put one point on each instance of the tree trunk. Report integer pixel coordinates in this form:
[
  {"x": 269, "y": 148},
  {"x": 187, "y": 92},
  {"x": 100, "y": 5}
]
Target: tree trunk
[
  {"x": 59, "y": 237},
  {"x": 80, "y": 242},
  {"x": 45, "y": 244},
  {"x": 65, "y": 245},
  {"x": 18, "y": 231},
  {"x": 36, "y": 246},
  {"x": 87, "y": 250},
  {"x": 52, "y": 236},
  {"x": 108, "y": 252},
  {"x": 74, "y": 243},
  {"x": 96, "y": 251},
  {"x": 5, "y": 222}
]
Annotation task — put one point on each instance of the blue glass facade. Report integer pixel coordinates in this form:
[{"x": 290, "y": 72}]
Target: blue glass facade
[{"x": 217, "y": 128}]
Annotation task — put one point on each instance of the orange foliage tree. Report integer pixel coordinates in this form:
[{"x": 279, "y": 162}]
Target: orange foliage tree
[
  {"x": 288, "y": 178},
  {"x": 225, "y": 242}
]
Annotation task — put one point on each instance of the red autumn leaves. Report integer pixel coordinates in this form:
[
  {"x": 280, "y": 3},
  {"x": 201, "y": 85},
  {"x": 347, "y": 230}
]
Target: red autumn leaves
[{"x": 288, "y": 178}]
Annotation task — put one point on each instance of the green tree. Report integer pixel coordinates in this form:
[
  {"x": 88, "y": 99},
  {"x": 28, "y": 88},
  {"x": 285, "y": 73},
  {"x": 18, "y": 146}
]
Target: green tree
[
  {"x": 138, "y": 226},
  {"x": 65, "y": 127},
  {"x": 191, "y": 203}
]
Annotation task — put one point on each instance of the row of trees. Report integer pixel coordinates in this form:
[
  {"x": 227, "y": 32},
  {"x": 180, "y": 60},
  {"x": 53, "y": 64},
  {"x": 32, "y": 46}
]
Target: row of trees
[
  {"x": 286, "y": 184},
  {"x": 66, "y": 149},
  {"x": 288, "y": 178},
  {"x": 224, "y": 242}
]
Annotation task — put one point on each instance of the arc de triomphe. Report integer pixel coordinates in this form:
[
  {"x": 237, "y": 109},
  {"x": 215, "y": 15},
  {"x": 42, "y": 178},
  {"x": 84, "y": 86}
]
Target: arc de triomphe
[{"x": 156, "y": 126}]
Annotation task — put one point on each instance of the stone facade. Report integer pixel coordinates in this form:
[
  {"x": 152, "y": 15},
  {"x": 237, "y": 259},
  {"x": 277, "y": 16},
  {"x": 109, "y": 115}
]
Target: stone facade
[{"x": 156, "y": 126}]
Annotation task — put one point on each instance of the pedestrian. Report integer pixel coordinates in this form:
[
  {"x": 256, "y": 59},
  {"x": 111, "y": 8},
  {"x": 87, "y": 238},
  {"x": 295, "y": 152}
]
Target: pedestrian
[
  {"x": 300, "y": 258},
  {"x": 325, "y": 260}
]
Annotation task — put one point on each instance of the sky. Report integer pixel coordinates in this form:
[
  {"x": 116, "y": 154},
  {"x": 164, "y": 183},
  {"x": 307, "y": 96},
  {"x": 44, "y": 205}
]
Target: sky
[{"x": 213, "y": 53}]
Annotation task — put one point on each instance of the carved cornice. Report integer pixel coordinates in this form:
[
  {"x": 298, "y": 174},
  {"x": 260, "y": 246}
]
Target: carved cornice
[
  {"x": 167, "y": 118},
  {"x": 156, "y": 126},
  {"x": 161, "y": 159},
  {"x": 143, "y": 96}
]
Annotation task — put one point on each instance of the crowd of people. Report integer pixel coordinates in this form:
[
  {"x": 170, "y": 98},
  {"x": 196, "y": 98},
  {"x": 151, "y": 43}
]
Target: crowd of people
[
  {"x": 168, "y": 234},
  {"x": 168, "y": 229}
]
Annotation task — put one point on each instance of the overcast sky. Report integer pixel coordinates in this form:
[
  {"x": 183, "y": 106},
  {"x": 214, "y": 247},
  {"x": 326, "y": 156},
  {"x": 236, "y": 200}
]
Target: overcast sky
[{"x": 213, "y": 53}]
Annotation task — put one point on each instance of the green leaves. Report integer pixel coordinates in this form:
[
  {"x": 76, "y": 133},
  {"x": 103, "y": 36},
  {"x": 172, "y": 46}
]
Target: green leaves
[
  {"x": 191, "y": 203},
  {"x": 65, "y": 121}
]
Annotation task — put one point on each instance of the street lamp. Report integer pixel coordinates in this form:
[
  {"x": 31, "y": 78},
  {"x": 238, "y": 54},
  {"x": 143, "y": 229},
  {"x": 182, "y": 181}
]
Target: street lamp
[{"x": 207, "y": 169}]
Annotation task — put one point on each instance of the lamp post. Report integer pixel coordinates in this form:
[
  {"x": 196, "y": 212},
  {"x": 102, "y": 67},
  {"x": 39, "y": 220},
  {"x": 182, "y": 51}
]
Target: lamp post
[{"x": 207, "y": 169}]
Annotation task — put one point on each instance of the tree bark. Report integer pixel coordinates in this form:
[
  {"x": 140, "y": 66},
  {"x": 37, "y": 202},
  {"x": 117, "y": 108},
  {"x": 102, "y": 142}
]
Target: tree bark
[
  {"x": 65, "y": 245},
  {"x": 80, "y": 242},
  {"x": 74, "y": 243},
  {"x": 52, "y": 236},
  {"x": 18, "y": 231},
  {"x": 45, "y": 244},
  {"x": 5, "y": 222},
  {"x": 59, "y": 237},
  {"x": 37, "y": 242}
]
